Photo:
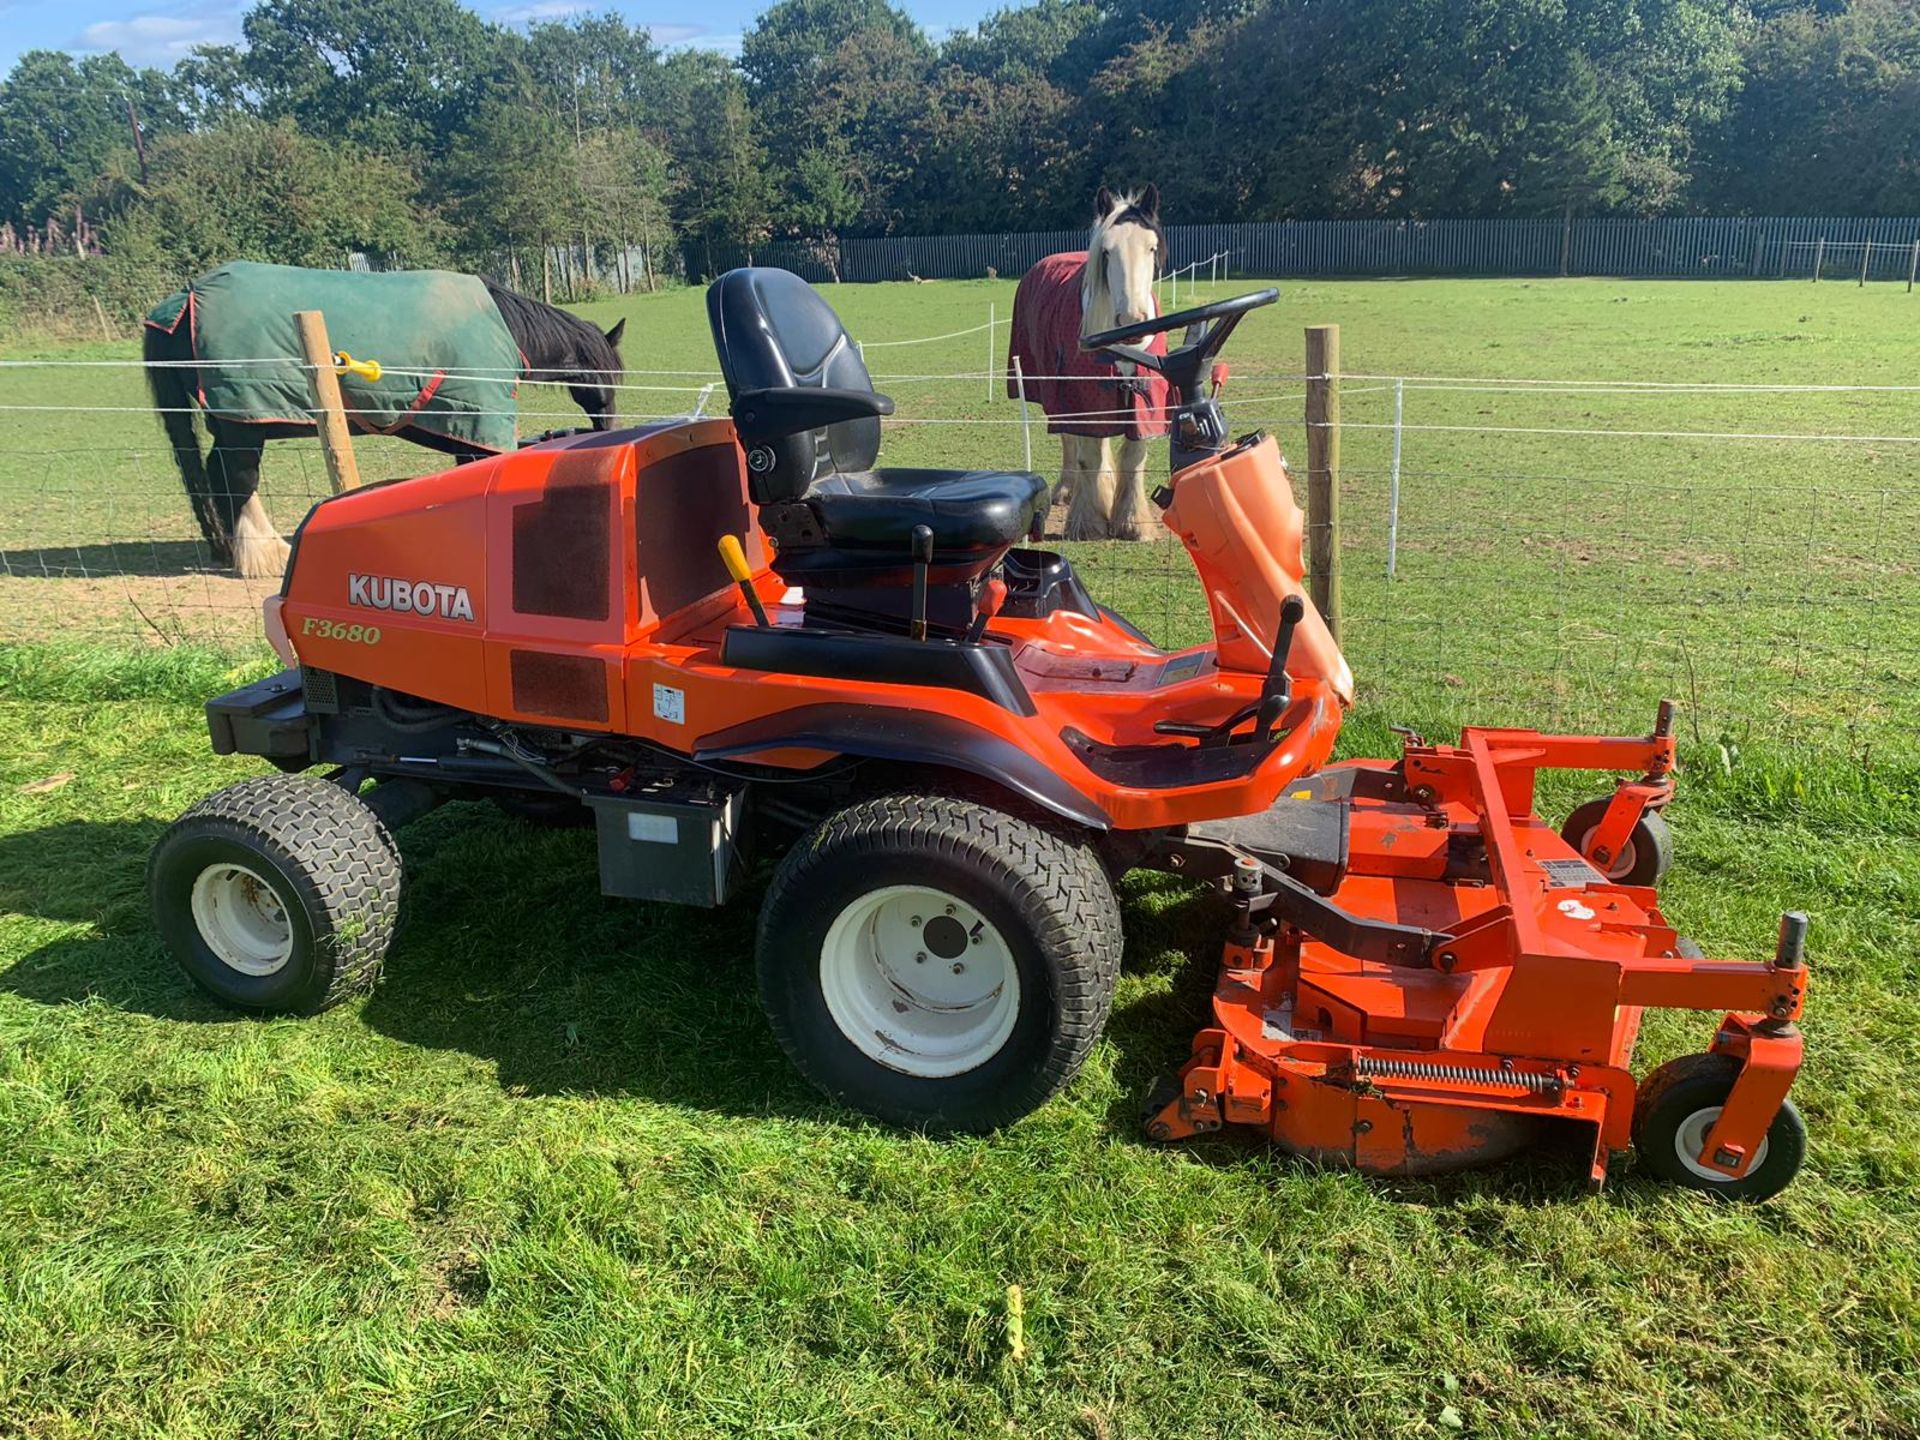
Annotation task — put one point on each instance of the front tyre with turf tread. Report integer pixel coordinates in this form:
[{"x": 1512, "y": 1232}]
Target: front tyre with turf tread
[
  {"x": 327, "y": 879},
  {"x": 1046, "y": 902},
  {"x": 1678, "y": 1102}
]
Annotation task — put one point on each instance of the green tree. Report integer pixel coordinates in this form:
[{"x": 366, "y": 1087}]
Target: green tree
[
  {"x": 396, "y": 76},
  {"x": 1828, "y": 121},
  {"x": 62, "y": 122},
  {"x": 721, "y": 195},
  {"x": 1021, "y": 42},
  {"x": 261, "y": 190},
  {"x": 826, "y": 199},
  {"x": 510, "y": 189},
  {"x": 598, "y": 70},
  {"x": 788, "y": 58},
  {"x": 211, "y": 86},
  {"x": 621, "y": 188}
]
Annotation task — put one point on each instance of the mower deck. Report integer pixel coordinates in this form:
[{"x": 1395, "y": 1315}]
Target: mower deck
[{"x": 1525, "y": 1005}]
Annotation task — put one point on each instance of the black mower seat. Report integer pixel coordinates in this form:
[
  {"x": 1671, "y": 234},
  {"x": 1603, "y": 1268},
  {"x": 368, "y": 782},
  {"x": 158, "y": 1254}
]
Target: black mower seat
[
  {"x": 965, "y": 509},
  {"x": 809, "y": 421}
]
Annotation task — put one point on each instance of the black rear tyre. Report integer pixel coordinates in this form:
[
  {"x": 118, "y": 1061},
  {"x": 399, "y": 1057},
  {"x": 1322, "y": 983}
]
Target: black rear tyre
[
  {"x": 279, "y": 894},
  {"x": 1643, "y": 860},
  {"x": 1676, "y": 1107},
  {"x": 937, "y": 962}
]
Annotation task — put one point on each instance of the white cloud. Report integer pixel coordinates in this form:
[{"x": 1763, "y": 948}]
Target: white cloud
[
  {"x": 693, "y": 37},
  {"x": 532, "y": 10},
  {"x": 160, "y": 39}
]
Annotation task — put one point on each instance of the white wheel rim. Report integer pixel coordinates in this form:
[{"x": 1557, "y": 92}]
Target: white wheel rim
[
  {"x": 1621, "y": 864},
  {"x": 1692, "y": 1135},
  {"x": 241, "y": 919},
  {"x": 919, "y": 981}
]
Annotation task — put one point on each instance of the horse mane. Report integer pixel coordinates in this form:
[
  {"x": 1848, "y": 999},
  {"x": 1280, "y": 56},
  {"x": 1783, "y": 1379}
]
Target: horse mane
[
  {"x": 554, "y": 342},
  {"x": 1125, "y": 211}
]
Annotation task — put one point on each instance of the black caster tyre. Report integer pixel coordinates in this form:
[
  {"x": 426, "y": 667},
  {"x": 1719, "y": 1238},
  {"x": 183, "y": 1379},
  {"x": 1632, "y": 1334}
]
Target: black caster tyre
[
  {"x": 277, "y": 895},
  {"x": 1676, "y": 1107},
  {"x": 936, "y": 962},
  {"x": 1643, "y": 860}
]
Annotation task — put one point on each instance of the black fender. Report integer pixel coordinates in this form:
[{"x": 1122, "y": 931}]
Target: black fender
[{"x": 920, "y": 737}]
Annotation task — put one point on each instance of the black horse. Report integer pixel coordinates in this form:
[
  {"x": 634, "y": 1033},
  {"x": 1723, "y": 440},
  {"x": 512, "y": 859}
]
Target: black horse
[{"x": 555, "y": 348}]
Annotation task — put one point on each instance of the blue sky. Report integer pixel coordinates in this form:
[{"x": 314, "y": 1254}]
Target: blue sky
[{"x": 158, "y": 32}]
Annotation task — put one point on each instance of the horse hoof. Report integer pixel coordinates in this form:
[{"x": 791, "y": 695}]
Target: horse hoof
[{"x": 261, "y": 558}]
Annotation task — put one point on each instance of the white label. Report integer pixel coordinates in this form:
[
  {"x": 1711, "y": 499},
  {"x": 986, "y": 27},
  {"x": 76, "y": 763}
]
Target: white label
[
  {"x": 670, "y": 704},
  {"x": 658, "y": 829}
]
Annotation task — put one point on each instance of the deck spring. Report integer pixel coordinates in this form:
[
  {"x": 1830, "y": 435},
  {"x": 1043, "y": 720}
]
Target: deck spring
[{"x": 1376, "y": 1067}]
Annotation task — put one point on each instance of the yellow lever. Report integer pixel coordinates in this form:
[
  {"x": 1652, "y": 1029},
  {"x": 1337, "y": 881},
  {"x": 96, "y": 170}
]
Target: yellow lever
[
  {"x": 367, "y": 370},
  {"x": 734, "y": 557}
]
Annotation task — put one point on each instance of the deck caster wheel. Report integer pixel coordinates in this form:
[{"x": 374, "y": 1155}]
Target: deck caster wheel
[
  {"x": 1646, "y": 856},
  {"x": 278, "y": 894},
  {"x": 1674, "y": 1112},
  {"x": 938, "y": 963}
]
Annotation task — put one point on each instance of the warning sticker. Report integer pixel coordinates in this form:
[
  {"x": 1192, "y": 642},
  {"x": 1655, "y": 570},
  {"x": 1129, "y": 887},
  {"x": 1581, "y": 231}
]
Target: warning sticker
[
  {"x": 1570, "y": 874},
  {"x": 670, "y": 704}
]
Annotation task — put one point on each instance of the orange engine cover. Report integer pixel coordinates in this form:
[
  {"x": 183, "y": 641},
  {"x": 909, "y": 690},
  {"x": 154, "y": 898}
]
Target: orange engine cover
[{"x": 512, "y": 586}]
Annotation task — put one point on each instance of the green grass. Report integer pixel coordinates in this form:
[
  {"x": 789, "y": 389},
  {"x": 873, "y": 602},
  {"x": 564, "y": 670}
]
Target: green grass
[
  {"x": 1565, "y": 578},
  {"x": 553, "y": 1178}
]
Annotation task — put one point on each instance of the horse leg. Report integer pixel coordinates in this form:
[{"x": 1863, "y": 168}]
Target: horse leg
[
  {"x": 234, "y": 468},
  {"x": 1131, "y": 517},
  {"x": 1092, "y": 489},
  {"x": 1069, "y": 472},
  {"x": 173, "y": 398}
]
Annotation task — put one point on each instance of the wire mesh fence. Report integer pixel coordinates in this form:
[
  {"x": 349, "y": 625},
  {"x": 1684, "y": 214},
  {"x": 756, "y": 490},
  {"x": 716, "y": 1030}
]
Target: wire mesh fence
[
  {"x": 1514, "y": 550},
  {"x": 1723, "y": 247}
]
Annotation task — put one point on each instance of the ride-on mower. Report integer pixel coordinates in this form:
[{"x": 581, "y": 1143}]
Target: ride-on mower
[{"x": 725, "y": 639}]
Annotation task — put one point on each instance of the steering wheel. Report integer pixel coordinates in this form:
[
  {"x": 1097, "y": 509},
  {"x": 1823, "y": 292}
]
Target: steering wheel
[{"x": 1182, "y": 366}]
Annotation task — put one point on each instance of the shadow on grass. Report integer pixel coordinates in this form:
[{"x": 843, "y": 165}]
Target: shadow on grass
[
  {"x": 127, "y": 557},
  {"x": 507, "y": 952}
]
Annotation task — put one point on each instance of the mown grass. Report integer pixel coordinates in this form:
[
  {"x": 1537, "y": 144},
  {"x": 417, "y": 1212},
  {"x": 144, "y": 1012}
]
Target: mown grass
[{"x": 553, "y": 1178}]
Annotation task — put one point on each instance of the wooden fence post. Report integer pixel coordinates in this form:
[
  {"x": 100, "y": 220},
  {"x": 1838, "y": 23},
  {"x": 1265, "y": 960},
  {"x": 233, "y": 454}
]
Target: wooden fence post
[
  {"x": 1913, "y": 263},
  {"x": 1866, "y": 254},
  {"x": 329, "y": 411},
  {"x": 1819, "y": 259},
  {"x": 1323, "y": 472}
]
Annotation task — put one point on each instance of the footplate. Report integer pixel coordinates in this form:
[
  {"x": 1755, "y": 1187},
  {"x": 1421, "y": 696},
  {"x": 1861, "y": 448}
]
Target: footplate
[{"x": 1304, "y": 832}]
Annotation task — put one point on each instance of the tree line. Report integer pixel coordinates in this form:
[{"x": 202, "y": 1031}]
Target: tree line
[{"x": 420, "y": 132}]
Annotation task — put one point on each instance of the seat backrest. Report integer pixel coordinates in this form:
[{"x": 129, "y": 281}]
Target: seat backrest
[{"x": 772, "y": 329}]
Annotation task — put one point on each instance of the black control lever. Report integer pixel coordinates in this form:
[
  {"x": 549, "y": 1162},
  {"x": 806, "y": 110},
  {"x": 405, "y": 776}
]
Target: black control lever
[
  {"x": 922, "y": 562},
  {"x": 1274, "y": 694},
  {"x": 1278, "y": 690}
]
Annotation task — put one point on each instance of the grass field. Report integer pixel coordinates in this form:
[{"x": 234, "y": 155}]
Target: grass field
[
  {"x": 1563, "y": 576},
  {"x": 551, "y": 1178}
]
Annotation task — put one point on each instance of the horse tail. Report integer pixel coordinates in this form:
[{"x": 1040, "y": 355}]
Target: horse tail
[{"x": 173, "y": 398}]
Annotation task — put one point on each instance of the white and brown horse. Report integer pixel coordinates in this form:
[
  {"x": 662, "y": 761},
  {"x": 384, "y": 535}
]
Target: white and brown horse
[{"x": 1090, "y": 399}]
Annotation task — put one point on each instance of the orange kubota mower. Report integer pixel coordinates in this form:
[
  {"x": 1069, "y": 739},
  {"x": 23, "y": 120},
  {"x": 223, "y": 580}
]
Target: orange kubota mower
[{"x": 724, "y": 639}]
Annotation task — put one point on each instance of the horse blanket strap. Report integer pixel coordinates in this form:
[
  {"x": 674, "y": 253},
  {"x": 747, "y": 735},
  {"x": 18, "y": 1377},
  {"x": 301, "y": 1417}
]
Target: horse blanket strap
[
  {"x": 448, "y": 363},
  {"x": 1046, "y": 338}
]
